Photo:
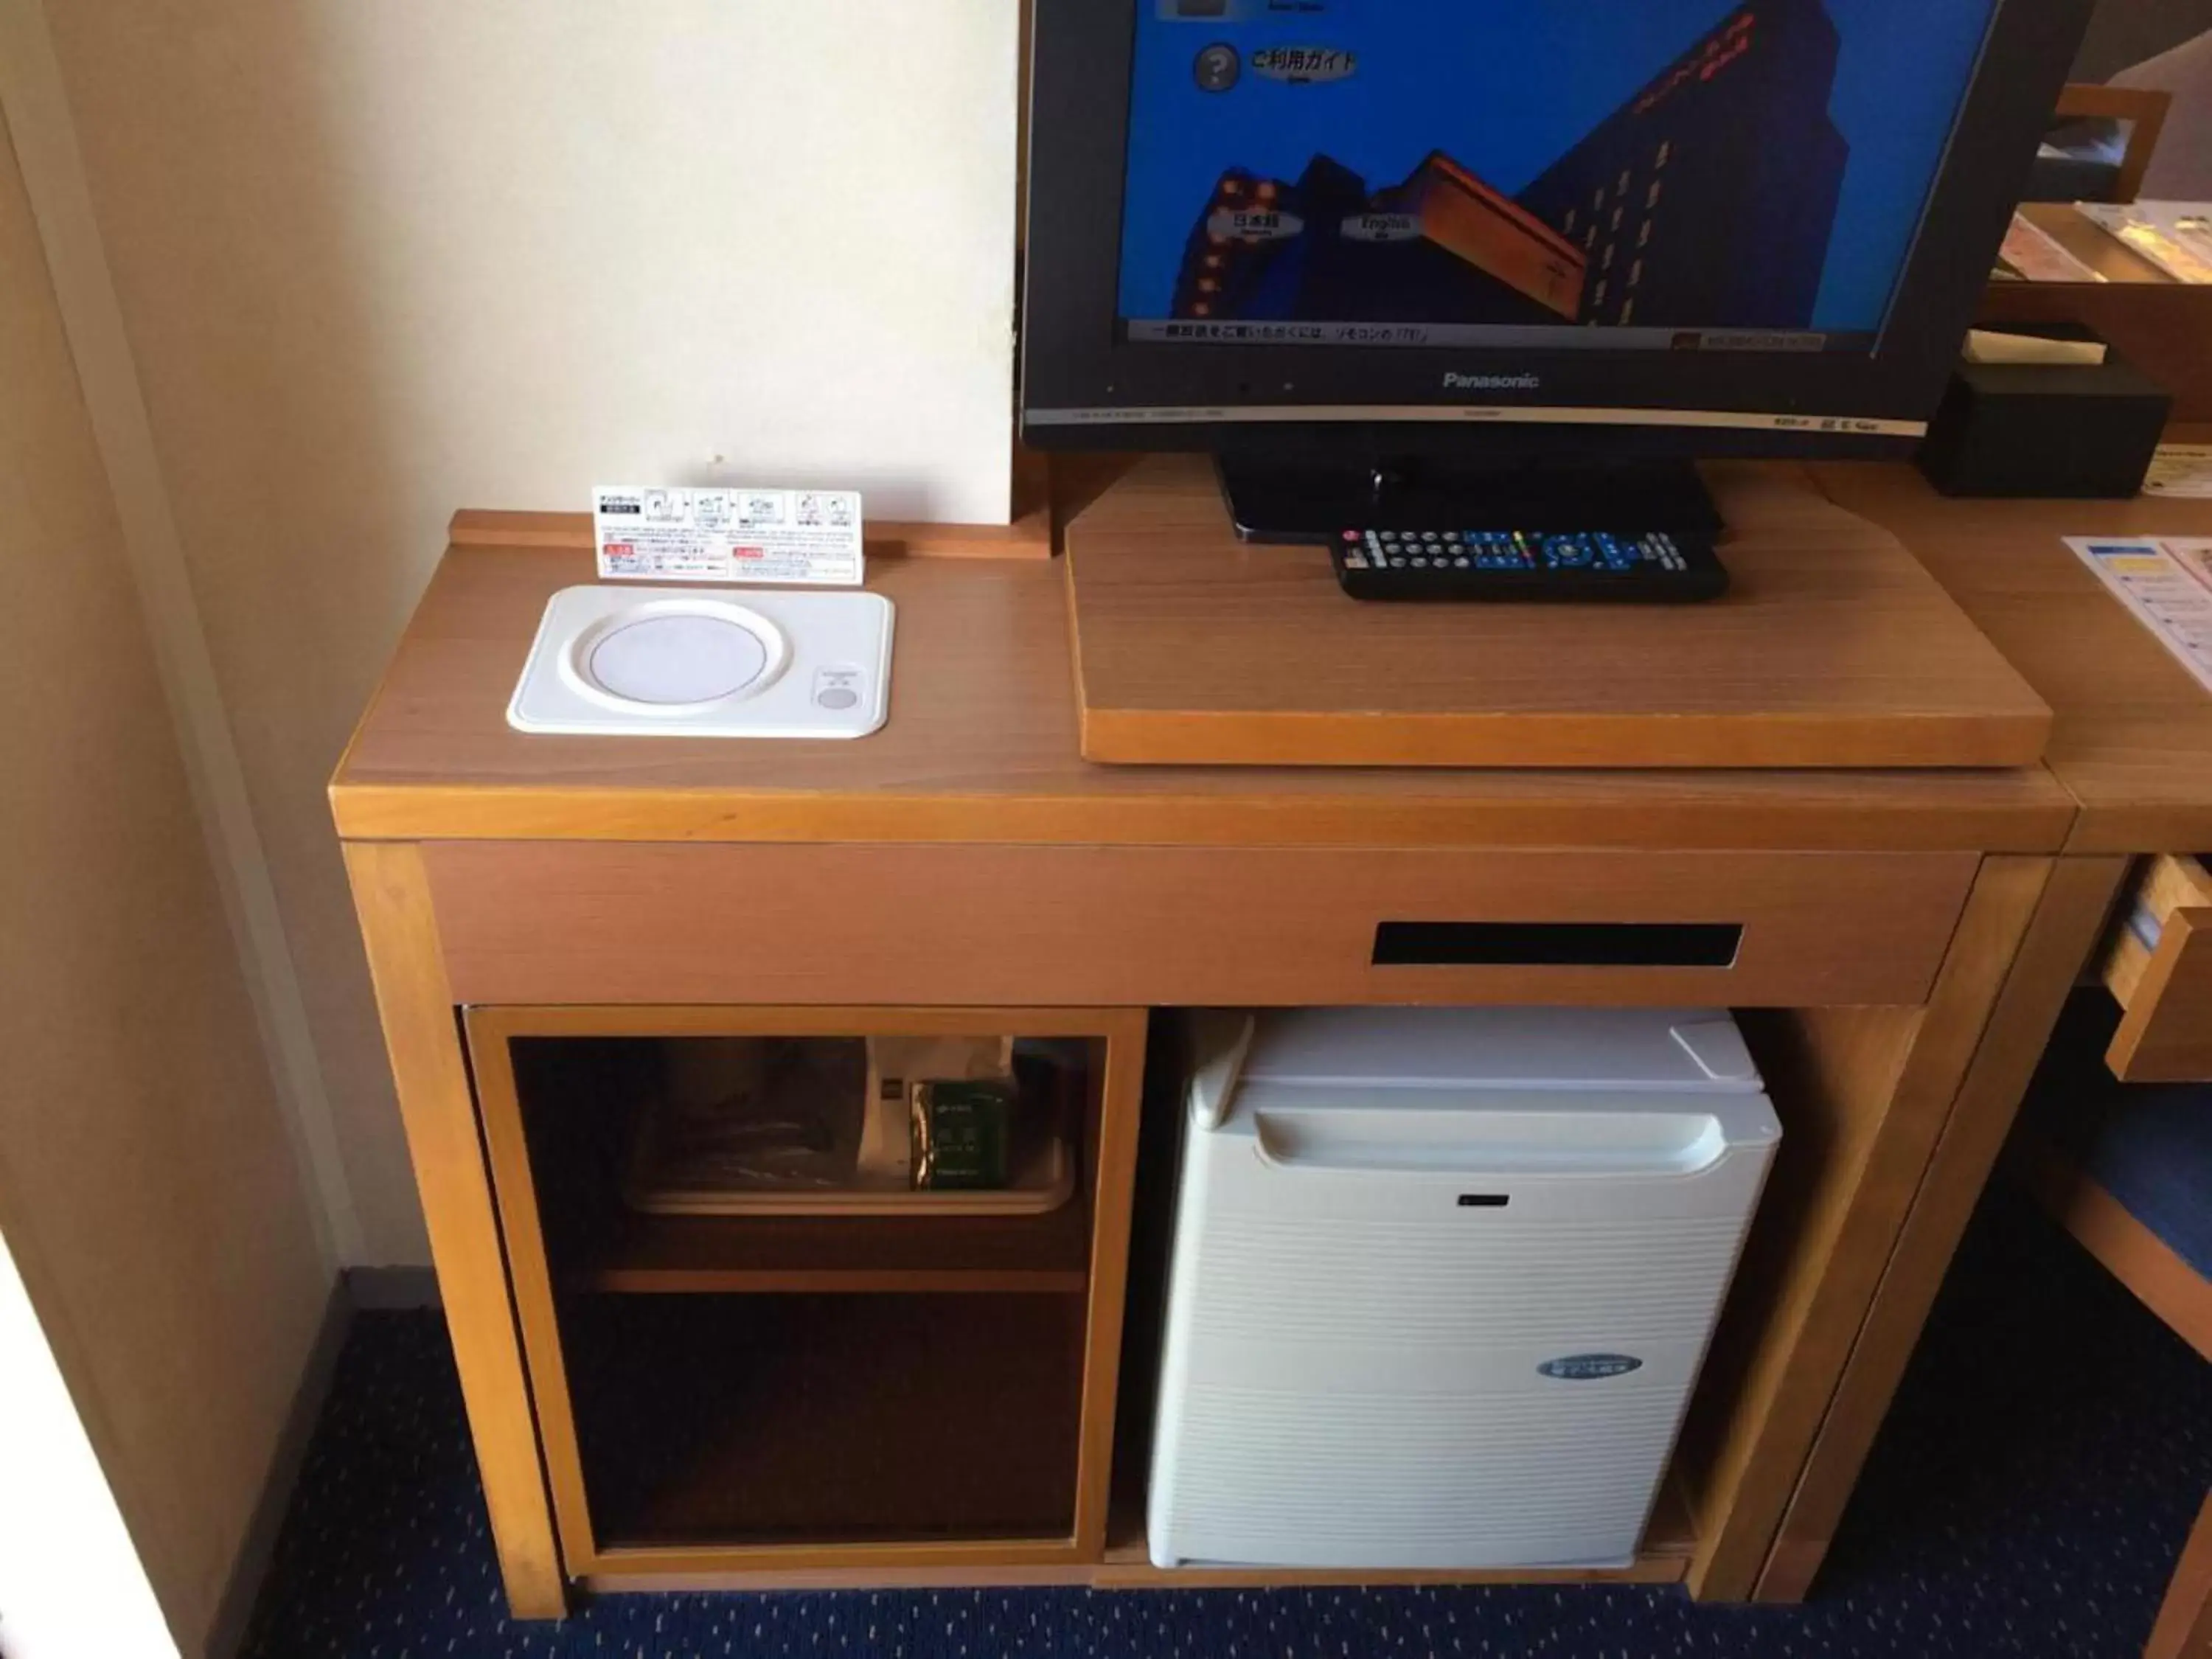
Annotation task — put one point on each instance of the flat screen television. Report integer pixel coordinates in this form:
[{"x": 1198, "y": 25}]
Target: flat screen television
[{"x": 1349, "y": 243}]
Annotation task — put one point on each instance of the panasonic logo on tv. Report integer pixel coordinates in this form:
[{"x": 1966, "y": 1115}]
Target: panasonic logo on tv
[{"x": 1457, "y": 382}]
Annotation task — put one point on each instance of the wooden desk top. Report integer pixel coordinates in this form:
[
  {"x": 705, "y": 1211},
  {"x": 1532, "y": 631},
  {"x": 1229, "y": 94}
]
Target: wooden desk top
[
  {"x": 981, "y": 748},
  {"x": 2133, "y": 741},
  {"x": 1831, "y": 648}
]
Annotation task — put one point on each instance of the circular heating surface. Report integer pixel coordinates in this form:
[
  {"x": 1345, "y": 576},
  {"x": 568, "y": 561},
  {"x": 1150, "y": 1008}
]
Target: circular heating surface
[{"x": 679, "y": 658}]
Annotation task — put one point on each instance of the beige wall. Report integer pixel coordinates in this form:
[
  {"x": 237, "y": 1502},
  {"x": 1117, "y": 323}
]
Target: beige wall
[
  {"x": 380, "y": 261},
  {"x": 2125, "y": 31},
  {"x": 148, "y": 1192}
]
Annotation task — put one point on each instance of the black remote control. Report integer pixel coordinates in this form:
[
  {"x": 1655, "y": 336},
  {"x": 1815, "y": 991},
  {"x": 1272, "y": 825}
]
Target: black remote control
[{"x": 1655, "y": 568}]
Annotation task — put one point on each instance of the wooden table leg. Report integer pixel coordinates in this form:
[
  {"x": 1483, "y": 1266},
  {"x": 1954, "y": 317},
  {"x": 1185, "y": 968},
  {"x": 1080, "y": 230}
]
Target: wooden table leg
[
  {"x": 422, "y": 1037},
  {"x": 1122, "y": 1107},
  {"x": 1873, "y": 1089},
  {"x": 2184, "y": 1630},
  {"x": 2058, "y": 941}
]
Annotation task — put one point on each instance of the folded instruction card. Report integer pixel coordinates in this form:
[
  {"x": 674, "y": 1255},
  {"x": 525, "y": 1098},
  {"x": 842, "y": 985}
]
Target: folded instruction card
[
  {"x": 2166, "y": 581},
  {"x": 791, "y": 537},
  {"x": 2180, "y": 469}
]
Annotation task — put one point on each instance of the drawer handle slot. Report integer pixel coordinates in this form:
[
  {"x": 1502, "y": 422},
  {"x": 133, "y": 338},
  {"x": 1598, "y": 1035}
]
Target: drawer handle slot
[{"x": 1557, "y": 944}]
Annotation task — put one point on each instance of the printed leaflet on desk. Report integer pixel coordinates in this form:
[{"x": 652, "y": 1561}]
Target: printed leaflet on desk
[
  {"x": 809, "y": 538},
  {"x": 2180, "y": 469},
  {"x": 2175, "y": 236},
  {"x": 2166, "y": 581}
]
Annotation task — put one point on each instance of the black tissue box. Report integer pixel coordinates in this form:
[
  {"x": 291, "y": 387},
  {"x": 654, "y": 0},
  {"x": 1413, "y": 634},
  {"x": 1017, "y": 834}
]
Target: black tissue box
[{"x": 2061, "y": 429}]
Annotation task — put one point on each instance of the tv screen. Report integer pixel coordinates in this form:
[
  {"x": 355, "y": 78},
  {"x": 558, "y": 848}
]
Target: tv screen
[
  {"x": 1434, "y": 227},
  {"x": 1667, "y": 175}
]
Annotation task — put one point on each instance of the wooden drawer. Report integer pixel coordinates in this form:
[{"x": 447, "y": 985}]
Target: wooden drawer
[
  {"x": 610, "y": 922},
  {"x": 2159, "y": 964}
]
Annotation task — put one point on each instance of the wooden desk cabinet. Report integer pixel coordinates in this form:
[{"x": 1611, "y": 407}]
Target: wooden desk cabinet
[
  {"x": 2132, "y": 743},
  {"x": 965, "y": 866}
]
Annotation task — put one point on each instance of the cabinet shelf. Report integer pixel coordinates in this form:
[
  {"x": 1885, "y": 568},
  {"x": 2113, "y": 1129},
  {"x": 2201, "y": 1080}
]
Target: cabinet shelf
[
  {"x": 665, "y": 1253},
  {"x": 584, "y": 1097}
]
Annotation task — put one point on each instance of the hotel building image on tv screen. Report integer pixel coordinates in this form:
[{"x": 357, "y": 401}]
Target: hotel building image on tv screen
[{"x": 1670, "y": 173}]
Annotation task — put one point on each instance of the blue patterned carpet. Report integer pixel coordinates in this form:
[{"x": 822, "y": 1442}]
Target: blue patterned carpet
[{"x": 2028, "y": 1497}]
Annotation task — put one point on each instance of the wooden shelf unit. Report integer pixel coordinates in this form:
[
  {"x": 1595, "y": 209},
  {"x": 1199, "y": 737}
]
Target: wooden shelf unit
[{"x": 750, "y": 1393}]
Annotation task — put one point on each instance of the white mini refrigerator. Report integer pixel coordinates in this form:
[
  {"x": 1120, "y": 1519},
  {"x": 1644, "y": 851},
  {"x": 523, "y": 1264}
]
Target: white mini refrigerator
[{"x": 1442, "y": 1280}]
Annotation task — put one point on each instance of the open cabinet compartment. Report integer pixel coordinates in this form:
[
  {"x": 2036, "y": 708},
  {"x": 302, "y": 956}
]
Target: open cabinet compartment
[
  {"x": 760, "y": 1391},
  {"x": 588, "y": 1103},
  {"x": 782, "y": 1418}
]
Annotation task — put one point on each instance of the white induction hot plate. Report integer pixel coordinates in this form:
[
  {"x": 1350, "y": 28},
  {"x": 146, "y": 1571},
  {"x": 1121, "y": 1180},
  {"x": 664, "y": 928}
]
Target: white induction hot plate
[{"x": 704, "y": 662}]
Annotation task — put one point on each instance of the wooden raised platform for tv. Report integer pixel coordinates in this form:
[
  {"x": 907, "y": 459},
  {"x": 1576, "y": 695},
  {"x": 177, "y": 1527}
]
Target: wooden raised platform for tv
[
  {"x": 965, "y": 869},
  {"x": 1831, "y": 648}
]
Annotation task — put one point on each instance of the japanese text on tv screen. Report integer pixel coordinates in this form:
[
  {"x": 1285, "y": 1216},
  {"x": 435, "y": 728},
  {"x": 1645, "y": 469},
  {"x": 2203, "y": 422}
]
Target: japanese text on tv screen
[{"x": 1666, "y": 173}]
